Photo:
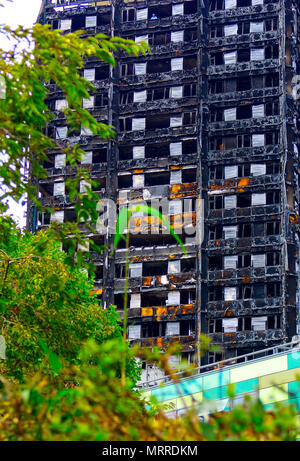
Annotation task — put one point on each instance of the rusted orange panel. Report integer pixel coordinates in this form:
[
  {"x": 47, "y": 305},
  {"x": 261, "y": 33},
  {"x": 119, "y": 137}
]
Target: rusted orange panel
[
  {"x": 247, "y": 280},
  {"x": 161, "y": 310},
  {"x": 147, "y": 281},
  {"x": 175, "y": 188},
  {"x": 96, "y": 292},
  {"x": 159, "y": 342},
  {"x": 175, "y": 167},
  {"x": 187, "y": 309},
  {"x": 215, "y": 186},
  {"x": 244, "y": 182},
  {"x": 138, "y": 171},
  {"x": 147, "y": 311}
]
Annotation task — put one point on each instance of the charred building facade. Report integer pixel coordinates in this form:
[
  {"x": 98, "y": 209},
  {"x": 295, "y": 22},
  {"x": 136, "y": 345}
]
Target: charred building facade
[{"x": 208, "y": 119}]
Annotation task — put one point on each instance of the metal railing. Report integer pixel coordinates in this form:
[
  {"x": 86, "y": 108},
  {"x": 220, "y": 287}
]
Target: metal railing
[{"x": 252, "y": 356}]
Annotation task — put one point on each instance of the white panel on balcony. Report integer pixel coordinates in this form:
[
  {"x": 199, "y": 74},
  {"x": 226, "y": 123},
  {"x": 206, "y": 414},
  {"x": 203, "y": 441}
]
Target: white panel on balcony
[
  {"x": 87, "y": 158},
  {"x": 58, "y": 188},
  {"x": 258, "y": 140},
  {"x": 175, "y": 207},
  {"x": 141, "y": 38},
  {"x": 90, "y": 21},
  {"x": 230, "y": 325},
  {"x": 256, "y": 26},
  {"x": 257, "y": 54},
  {"x": 61, "y": 132},
  {"x": 84, "y": 186},
  {"x": 172, "y": 329},
  {"x": 138, "y": 152},
  {"x": 258, "y": 111},
  {"x": 88, "y": 103},
  {"x": 230, "y": 114},
  {"x": 176, "y": 92},
  {"x": 257, "y": 2},
  {"x": 135, "y": 301},
  {"x": 140, "y": 96},
  {"x": 60, "y": 160},
  {"x": 230, "y": 4},
  {"x": 230, "y": 29},
  {"x": 230, "y": 58},
  {"x": 176, "y": 177},
  {"x": 174, "y": 361},
  {"x": 85, "y": 247},
  {"x": 230, "y": 202},
  {"x": 140, "y": 68},
  {"x": 258, "y": 169},
  {"x": 136, "y": 270},
  {"x": 138, "y": 181},
  {"x": 176, "y": 148},
  {"x": 65, "y": 24},
  {"x": 176, "y": 64},
  {"x": 138, "y": 124},
  {"x": 58, "y": 216},
  {"x": 173, "y": 298},
  {"x": 259, "y": 323},
  {"x": 230, "y": 293},
  {"x": 89, "y": 74},
  {"x": 61, "y": 104},
  {"x": 86, "y": 132},
  {"x": 258, "y": 260},
  {"x": 258, "y": 199},
  {"x": 231, "y": 171},
  {"x": 177, "y": 9},
  {"x": 134, "y": 332},
  {"x": 175, "y": 121},
  {"x": 177, "y": 36},
  {"x": 230, "y": 262},
  {"x": 174, "y": 267},
  {"x": 142, "y": 14},
  {"x": 230, "y": 232}
]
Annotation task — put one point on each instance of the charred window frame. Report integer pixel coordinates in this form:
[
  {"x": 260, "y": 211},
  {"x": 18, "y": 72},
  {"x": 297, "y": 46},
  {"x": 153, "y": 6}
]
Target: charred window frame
[
  {"x": 156, "y": 94},
  {"x": 216, "y": 31},
  {"x": 129, "y": 15},
  {"x": 126, "y": 69},
  {"x": 243, "y": 28}
]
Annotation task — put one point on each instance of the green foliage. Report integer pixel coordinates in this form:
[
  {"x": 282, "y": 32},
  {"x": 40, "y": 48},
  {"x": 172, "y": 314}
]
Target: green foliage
[
  {"x": 56, "y": 58},
  {"x": 46, "y": 305},
  {"x": 89, "y": 403}
]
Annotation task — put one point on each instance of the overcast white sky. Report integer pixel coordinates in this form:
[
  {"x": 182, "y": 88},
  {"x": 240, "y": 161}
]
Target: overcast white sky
[{"x": 18, "y": 12}]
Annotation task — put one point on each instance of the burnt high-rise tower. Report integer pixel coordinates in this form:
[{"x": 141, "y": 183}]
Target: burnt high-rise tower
[{"x": 210, "y": 114}]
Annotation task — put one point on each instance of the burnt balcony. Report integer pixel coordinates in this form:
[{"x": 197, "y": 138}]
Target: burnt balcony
[
  {"x": 157, "y": 162},
  {"x": 157, "y": 313},
  {"x": 251, "y": 67},
  {"x": 247, "y": 12},
  {"x": 249, "y": 123},
  {"x": 234, "y": 96},
  {"x": 248, "y": 183},
  {"x": 243, "y": 338},
  {"x": 187, "y": 342},
  {"x": 168, "y": 104},
  {"x": 247, "y": 212},
  {"x": 249, "y": 273},
  {"x": 274, "y": 241},
  {"x": 166, "y": 282},
  {"x": 265, "y": 152},
  {"x": 244, "y": 306},
  {"x": 244, "y": 39}
]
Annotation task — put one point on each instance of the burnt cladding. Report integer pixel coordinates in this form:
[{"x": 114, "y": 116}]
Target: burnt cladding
[{"x": 207, "y": 120}]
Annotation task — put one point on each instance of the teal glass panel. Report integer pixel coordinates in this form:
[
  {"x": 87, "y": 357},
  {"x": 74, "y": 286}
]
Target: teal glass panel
[
  {"x": 218, "y": 379},
  {"x": 294, "y": 360}
]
